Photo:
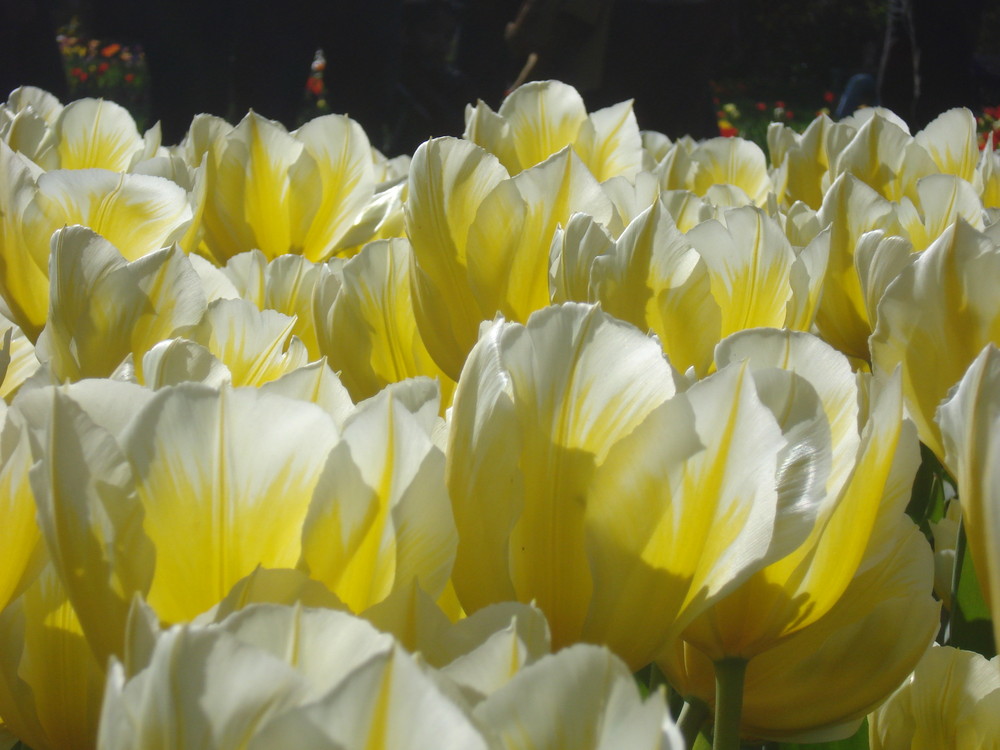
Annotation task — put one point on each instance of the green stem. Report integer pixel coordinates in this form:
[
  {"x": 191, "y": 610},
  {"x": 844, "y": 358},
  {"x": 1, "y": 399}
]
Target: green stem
[
  {"x": 692, "y": 719},
  {"x": 956, "y": 576},
  {"x": 729, "y": 674}
]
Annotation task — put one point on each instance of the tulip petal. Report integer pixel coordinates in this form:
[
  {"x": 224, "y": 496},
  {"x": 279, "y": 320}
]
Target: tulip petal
[
  {"x": 224, "y": 478},
  {"x": 449, "y": 178}
]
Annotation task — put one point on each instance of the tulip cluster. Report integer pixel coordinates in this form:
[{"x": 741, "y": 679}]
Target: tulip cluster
[{"x": 302, "y": 446}]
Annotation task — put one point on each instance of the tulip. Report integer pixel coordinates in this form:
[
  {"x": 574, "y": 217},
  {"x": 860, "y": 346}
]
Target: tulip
[
  {"x": 818, "y": 684},
  {"x": 730, "y": 161},
  {"x": 950, "y": 140},
  {"x": 288, "y": 284},
  {"x": 582, "y": 697},
  {"x": 952, "y": 699},
  {"x": 19, "y": 534},
  {"x": 184, "y": 486},
  {"x": 882, "y": 154},
  {"x": 102, "y": 308},
  {"x": 555, "y": 425},
  {"x": 256, "y": 346},
  {"x": 85, "y": 134},
  {"x": 460, "y": 199},
  {"x": 851, "y": 209},
  {"x": 728, "y": 277},
  {"x": 988, "y": 170},
  {"x": 19, "y": 356},
  {"x": 50, "y": 682},
  {"x": 448, "y": 180},
  {"x": 136, "y": 213},
  {"x": 940, "y": 309},
  {"x": 283, "y": 192},
  {"x": 369, "y": 333},
  {"x": 970, "y": 430},
  {"x": 541, "y": 118},
  {"x": 379, "y": 517},
  {"x": 874, "y": 460},
  {"x": 800, "y": 161}
]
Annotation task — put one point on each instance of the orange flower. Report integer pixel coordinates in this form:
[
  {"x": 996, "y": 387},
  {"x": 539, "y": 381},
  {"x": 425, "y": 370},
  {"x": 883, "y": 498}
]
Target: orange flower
[{"x": 111, "y": 49}]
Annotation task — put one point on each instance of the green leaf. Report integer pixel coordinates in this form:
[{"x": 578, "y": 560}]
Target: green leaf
[
  {"x": 927, "y": 499},
  {"x": 970, "y": 627}
]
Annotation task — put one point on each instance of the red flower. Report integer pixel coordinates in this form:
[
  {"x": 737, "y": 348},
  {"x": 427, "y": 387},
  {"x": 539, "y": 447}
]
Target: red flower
[
  {"x": 760, "y": 106},
  {"x": 129, "y": 77},
  {"x": 728, "y": 132},
  {"x": 315, "y": 85},
  {"x": 828, "y": 97},
  {"x": 103, "y": 67},
  {"x": 789, "y": 114},
  {"x": 779, "y": 104}
]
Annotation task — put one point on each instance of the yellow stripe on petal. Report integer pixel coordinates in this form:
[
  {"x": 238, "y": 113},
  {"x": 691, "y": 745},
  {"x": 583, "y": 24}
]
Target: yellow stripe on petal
[
  {"x": 97, "y": 133},
  {"x": 225, "y": 478},
  {"x": 371, "y": 336},
  {"x": 449, "y": 178}
]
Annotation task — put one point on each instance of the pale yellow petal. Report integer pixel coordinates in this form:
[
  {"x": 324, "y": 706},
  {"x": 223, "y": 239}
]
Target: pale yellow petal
[
  {"x": 655, "y": 280},
  {"x": 513, "y": 232},
  {"x": 97, "y": 133},
  {"x": 969, "y": 420},
  {"x": 544, "y": 117},
  {"x": 224, "y": 479},
  {"x": 370, "y": 334},
  {"x": 449, "y": 178},
  {"x": 347, "y": 181},
  {"x": 942, "y": 310}
]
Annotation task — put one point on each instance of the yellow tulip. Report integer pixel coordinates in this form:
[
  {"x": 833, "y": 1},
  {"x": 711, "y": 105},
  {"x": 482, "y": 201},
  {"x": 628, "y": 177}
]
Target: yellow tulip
[
  {"x": 283, "y": 192},
  {"x": 19, "y": 534},
  {"x": 988, "y": 170},
  {"x": 256, "y": 346},
  {"x": 369, "y": 333},
  {"x": 541, "y": 118},
  {"x": 50, "y": 682},
  {"x": 460, "y": 199},
  {"x": 851, "y": 209},
  {"x": 730, "y": 161},
  {"x": 729, "y": 277},
  {"x": 882, "y": 154},
  {"x": 951, "y": 141},
  {"x": 654, "y": 279},
  {"x": 970, "y": 430},
  {"x": 85, "y": 134},
  {"x": 818, "y": 684},
  {"x": 935, "y": 318},
  {"x": 448, "y": 180},
  {"x": 174, "y": 495},
  {"x": 289, "y": 284},
  {"x": 379, "y": 518},
  {"x": 952, "y": 699},
  {"x": 874, "y": 460},
  {"x": 555, "y": 425},
  {"x": 800, "y": 161},
  {"x": 19, "y": 356},
  {"x": 513, "y": 230},
  {"x": 136, "y": 213},
  {"x": 583, "y": 698},
  {"x": 102, "y": 308}
]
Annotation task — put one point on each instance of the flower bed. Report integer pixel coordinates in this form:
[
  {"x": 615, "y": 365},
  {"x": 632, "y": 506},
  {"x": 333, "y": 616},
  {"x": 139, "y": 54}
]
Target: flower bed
[{"x": 527, "y": 439}]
